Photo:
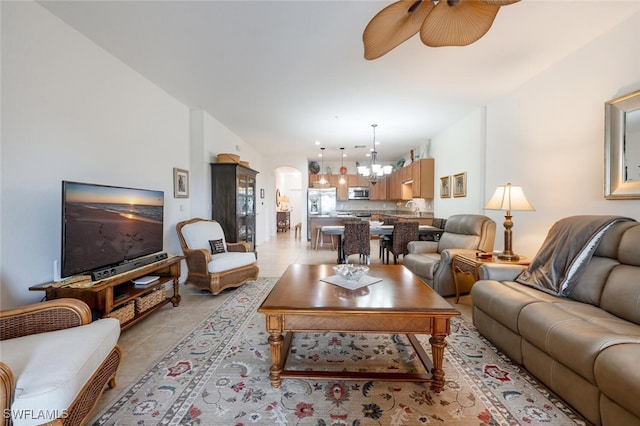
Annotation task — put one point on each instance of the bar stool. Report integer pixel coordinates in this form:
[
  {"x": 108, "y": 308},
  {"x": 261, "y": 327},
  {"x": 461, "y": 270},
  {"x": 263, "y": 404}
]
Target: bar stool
[
  {"x": 320, "y": 238},
  {"x": 298, "y": 230}
]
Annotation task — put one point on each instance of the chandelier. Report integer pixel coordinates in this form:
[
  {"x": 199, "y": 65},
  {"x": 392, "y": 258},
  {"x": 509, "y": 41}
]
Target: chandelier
[{"x": 374, "y": 170}]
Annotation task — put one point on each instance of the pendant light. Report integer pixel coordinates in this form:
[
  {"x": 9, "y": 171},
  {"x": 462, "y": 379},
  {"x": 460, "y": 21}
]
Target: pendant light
[
  {"x": 322, "y": 180},
  {"x": 343, "y": 171}
]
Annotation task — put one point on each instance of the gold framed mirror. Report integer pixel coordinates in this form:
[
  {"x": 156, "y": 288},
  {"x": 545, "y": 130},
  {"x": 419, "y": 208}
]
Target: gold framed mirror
[{"x": 622, "y": 147}]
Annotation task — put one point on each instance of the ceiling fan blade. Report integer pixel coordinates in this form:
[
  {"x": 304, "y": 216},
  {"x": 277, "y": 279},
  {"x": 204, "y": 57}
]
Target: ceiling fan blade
[
  {"x": 499, "y": 2},
  {"x": 457, "y": 23},
  {"x": 393, "y": 25}
]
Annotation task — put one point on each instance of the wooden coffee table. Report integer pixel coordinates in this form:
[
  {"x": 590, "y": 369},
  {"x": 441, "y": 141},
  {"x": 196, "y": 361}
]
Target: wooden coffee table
[{"x": 399, "y": 304}]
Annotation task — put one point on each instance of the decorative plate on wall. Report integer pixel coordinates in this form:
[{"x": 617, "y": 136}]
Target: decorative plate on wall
[{"x": 314, "y": 167}]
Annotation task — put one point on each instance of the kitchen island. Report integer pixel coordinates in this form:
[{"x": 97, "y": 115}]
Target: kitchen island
[{"x": 318, "y": 221}]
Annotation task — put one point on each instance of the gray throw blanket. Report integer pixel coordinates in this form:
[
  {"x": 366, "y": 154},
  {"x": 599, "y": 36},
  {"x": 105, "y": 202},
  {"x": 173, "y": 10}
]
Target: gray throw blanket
[{"x": 565, "y": 252}]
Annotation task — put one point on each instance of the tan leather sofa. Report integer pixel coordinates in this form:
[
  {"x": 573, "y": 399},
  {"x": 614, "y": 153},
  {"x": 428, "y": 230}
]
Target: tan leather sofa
[
  {"x": 585, "y": 347},
  {"x": 431, "y": 260}
]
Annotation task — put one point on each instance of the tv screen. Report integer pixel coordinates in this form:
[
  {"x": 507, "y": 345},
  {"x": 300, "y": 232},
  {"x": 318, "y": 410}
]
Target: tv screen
[{"x": 108, "y": 225}]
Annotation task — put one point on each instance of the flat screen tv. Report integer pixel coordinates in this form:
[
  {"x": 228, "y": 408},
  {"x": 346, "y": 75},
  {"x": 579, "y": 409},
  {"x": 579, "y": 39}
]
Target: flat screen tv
[{"x": 108, "y": 225}]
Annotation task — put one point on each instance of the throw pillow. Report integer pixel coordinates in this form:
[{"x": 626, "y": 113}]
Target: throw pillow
[{"x": 217, "y": 246}]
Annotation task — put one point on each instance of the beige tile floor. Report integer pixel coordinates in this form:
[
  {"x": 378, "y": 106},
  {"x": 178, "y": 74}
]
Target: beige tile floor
[{"x": 146, "y": 342}]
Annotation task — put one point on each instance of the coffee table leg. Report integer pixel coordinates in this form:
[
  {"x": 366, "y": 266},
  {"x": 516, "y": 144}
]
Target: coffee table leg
[
  {"x": 275, "y": 343},
  {"x": 438, "y": 343}
]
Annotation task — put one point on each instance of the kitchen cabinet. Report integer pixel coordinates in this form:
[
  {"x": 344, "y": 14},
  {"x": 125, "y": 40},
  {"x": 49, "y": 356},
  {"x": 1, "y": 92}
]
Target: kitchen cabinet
[
  {"x": 342, "y": 192},
  {"x": 394, "y": 189},
  {"x": 422, "y": 172},
  {"x": 357, "y": 180},
  {"x": 378, "y": 192},
  {"x": 413, "y": 181}
]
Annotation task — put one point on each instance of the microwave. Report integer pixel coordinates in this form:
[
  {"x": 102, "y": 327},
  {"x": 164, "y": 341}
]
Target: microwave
[{"x": 358, "y": 193}]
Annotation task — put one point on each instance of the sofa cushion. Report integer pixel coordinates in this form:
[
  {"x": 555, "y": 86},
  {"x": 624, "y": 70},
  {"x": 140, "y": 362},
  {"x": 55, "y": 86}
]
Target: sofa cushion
[
  {"x": 618, "y": 376},
  {"x": 58, "y": 366},
  {"x": 197, "y": 235},
  {"x": 589, "y": 287},
  {"x": 505, "y": 300},
  {"x": 422, "y": 264},
  {"x": 574, "y": 333},
  {"x": 621, "y": 295},
  {"x": 230, "y": 260},
  {"x": 629, "y": 250},
  {"x": 610, "y": 242}
]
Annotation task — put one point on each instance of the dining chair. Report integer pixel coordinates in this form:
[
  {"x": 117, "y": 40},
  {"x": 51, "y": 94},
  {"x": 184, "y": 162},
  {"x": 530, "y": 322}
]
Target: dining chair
[
  {"x": 403, "y": 233},
  {"x": 385, "y": 240},
  {"x": 439, "y": 223},
  {"x": 357, "y": 240}
]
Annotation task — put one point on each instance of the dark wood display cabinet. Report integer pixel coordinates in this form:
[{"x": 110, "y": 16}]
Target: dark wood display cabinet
[{"x": 233, "y": 197}]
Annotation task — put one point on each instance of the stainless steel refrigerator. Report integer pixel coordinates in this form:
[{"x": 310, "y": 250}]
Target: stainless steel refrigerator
[{"x": 320, "y": 202}]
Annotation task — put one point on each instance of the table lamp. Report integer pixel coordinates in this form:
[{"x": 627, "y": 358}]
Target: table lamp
[{"x": 508, "y": 197}]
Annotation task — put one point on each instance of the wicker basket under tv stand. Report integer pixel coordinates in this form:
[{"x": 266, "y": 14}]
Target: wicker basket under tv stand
[{"x": 116, "y": 296}]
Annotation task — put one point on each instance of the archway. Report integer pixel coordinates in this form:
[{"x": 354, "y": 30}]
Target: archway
[{"x": 289, "y": 184}]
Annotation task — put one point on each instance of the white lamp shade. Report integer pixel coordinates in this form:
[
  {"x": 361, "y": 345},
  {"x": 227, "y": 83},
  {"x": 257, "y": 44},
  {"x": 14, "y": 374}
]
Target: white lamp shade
[
  {"x": 508, "y": 197},
  {"x": 364, "y": 171}
]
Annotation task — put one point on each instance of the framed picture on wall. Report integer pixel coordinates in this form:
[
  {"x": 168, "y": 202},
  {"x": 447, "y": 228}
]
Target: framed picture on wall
[
  {"x": 180, "y": 183},
  {"x": 460, "y": 185},
  {"x": 445, "y": 187}
]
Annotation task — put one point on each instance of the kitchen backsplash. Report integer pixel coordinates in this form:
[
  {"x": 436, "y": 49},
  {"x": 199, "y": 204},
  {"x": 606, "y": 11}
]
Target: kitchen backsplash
[{"x": 417, "y": 205}]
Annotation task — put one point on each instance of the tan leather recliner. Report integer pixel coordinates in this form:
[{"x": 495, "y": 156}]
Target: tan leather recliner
[{"x": 431, "y": 260}]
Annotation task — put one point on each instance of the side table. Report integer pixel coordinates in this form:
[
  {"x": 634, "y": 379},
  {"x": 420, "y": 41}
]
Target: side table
[
  {"x": 283, "y": 221},
  {"x": 466, "y": 269}
]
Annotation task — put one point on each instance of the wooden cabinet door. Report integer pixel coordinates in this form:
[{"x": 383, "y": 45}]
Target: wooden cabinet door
[
  {"x": 378, "y": 191},
  {"x": 357, "y": 180},
  {"x": 343, "y": 190},
  {"x": 423, "y": 180}
]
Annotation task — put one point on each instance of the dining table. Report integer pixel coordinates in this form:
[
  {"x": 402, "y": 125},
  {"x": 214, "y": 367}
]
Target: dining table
[{"x": 424, "y": 231}]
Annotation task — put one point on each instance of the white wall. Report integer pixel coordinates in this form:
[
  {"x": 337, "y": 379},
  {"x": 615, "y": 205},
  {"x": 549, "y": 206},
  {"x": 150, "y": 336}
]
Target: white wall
[
  {"x": 548, "y": 136},
  {"x": 460, "y": 149},
  {"x": 71, "y": 111},
  {"x": 217, "y": 139}
]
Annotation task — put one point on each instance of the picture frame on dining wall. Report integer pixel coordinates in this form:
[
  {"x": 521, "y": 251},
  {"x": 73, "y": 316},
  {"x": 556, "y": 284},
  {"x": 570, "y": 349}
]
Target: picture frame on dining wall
[
  {"x": 460, "y": 184},
  {"x": 445, "y": 187},
  {"x": 180, "y": 183}
]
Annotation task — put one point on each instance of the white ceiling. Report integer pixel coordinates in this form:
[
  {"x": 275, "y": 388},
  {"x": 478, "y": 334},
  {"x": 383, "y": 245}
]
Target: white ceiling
[{"x": 289, "y": 73}]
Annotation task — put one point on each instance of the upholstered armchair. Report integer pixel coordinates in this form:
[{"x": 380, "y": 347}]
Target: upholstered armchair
[
  {"x": 431, "y": 260},
  {"x": 213, "y": 263},
  {"x": 55, "y": 362}
]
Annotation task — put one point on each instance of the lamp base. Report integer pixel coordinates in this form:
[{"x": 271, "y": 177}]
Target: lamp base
[{"x": 508, "y": 257}]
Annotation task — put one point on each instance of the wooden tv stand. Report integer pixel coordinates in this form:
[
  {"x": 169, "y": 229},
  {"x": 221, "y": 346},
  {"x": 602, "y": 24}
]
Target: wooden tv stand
[{"x": 118, "y": 297}]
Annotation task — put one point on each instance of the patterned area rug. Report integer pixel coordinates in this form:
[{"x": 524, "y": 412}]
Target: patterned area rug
[{"x": 219, "y": 375}]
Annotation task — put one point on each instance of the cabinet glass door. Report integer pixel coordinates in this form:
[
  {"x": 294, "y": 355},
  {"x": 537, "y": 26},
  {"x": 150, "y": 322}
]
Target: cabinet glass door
[{"x": 251, "y": 210}]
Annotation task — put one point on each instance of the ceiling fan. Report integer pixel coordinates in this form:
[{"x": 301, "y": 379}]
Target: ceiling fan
[{"x": 440, "y": 23}]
